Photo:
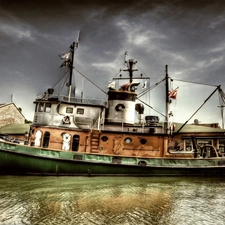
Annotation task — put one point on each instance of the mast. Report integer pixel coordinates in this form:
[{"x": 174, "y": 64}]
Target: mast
[
  {"x": 167, "y": 102},
  {"x": 73, "y": 47},
  {"x": 71, "y": 71},
  {"x": 130, "y": 68}
]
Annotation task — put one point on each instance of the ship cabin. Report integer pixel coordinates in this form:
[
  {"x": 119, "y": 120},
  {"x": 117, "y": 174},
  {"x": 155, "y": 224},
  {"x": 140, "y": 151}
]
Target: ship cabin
[
  {"x": 58, "y": 111},
  {"x": 93, "y": 126}
]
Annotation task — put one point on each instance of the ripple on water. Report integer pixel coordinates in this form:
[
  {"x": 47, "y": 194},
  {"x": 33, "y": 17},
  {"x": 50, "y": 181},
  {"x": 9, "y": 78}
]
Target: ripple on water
[{"x": 69, "y": 200}]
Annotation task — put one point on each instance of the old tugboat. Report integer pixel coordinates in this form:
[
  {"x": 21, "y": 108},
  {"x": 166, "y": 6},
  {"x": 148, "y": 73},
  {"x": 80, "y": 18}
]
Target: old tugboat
[{"x": 77, "y": 136}]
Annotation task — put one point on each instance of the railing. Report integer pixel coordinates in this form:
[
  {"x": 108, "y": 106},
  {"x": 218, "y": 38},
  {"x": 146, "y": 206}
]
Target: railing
[
  {"x": 64, "y": 98},
  {"x": 84, "y": 101},
  {"x": 123, "y": 125}
]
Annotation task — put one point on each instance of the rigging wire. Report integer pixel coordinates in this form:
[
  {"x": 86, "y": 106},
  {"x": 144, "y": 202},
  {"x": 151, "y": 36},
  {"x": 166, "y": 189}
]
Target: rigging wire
[
  {"x": 217, "y": 88},
  {"x": 90, "y": 81},
  {"x": 61, "y": 78},
  {"x": 221, "y": 97},
  {"x": 150, "y": 88},
  {"x": 119, "y": 72},
  {"x": 151, "y": 107},
  {"x": 195, "y": 82},
  {"x": 141, "y": 70},
  {"x": 63, "y": 84}
]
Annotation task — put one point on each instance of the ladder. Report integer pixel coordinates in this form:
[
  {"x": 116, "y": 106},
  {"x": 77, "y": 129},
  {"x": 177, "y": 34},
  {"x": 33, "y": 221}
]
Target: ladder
[{"x": 95, "y": 134}]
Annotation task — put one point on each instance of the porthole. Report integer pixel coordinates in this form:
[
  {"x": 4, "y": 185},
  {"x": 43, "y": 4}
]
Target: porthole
[
  {"x": 128, "y": 140},
  {"x": 143, "y": 141},
  {"x": 104, "y": 138},
  {"x": 119, "y": 107}
]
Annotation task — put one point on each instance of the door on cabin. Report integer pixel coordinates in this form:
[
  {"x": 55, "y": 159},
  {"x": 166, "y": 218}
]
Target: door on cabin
[
  {"x": 46, "y": 139},
  {"x": 75, "y": 143},
  {"x": 37, "y": 141}
]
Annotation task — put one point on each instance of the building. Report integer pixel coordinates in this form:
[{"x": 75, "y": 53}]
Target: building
[
  {"x": 12, "y": 123},
  {"x": 10, "y": 114}
]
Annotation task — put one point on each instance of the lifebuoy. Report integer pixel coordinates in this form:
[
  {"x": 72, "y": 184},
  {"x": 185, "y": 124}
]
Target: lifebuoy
[
  {"x": 66, "y": 120},
  {"x": 66, "y": 138}
]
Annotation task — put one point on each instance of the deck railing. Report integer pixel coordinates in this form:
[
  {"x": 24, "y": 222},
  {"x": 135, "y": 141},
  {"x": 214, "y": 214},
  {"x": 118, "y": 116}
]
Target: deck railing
[{"x": 64, "y": 98}]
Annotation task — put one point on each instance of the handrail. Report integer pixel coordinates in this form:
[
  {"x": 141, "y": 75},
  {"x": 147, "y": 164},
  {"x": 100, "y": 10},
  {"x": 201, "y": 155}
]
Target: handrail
[{"x": 65, "y": 98}]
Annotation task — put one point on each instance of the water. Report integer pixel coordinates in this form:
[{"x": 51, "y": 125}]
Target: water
[{"x": 110, "y": 200}]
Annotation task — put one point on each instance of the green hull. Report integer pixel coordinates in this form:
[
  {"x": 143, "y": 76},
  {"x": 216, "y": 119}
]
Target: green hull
[{"x": 17, "y": 159}]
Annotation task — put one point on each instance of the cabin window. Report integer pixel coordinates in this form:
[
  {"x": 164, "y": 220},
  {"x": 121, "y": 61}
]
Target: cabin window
[
  {"x": 221, "y": 146},
  {"x": 41, "y": 107},
  {"x": 35, "y": 119},
  {"x": 202, "y": 142},
  {"x": 75, "y": 143},
  {"x": 80, "y": 111},
  {"x": 128, "y": 140},
  {"x": 69, "y": 110},
  {"x": 48, "y": 107},
  {"x": 46, "y": 139},
  {"x": 152, "y": 130},
  {"x": 36, "y": 107},
  {"x": 188, "y": 145}
]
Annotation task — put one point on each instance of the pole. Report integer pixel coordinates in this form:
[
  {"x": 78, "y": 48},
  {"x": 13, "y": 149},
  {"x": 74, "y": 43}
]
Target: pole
[
  {"x": 167, "y": 103},
  {"x": 71, "y": 70}
]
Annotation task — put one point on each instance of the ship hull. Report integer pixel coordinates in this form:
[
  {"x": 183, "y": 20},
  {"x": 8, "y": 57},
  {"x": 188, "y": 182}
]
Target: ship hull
[{"x": 27, "y": 160}]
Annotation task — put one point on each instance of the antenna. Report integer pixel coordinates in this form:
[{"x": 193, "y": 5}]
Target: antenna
[
  {"x": 78, "y": 38},
  {"x": 125, "y": 56}
]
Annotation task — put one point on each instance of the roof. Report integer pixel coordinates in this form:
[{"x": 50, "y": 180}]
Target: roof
[
  {"x": 192, "y": 128},
  {"x": 11, "y": 103},
  {"x": 15, "y": 129}
]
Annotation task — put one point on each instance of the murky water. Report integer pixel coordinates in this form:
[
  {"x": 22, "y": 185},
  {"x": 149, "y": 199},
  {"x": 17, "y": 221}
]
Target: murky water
[{"x": 110, "y": 200}]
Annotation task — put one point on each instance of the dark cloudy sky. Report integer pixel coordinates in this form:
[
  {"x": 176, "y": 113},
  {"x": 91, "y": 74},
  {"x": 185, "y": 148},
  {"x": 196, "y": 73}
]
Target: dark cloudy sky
[{"x": 188, "y": 36}]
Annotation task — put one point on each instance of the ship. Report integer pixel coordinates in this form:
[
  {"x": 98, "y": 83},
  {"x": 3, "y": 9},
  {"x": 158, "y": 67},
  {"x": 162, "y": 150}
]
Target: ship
[{"x": 73, "y": 136}]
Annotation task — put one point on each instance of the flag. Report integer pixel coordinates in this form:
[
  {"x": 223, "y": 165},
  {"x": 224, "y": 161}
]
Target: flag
[
  {"x": 65, "y": 56},
  {"x": 173, "y": 94},
  {"x": 124, "y": 87},
  {"x": 111, "y": 84}
]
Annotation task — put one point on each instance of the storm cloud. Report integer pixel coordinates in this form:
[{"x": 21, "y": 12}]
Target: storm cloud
[{"x": 188, "y": 36}]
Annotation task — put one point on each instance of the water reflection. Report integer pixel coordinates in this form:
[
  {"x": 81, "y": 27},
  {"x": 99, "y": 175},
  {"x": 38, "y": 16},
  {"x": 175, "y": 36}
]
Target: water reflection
[{"x": 110, "y": 200}]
